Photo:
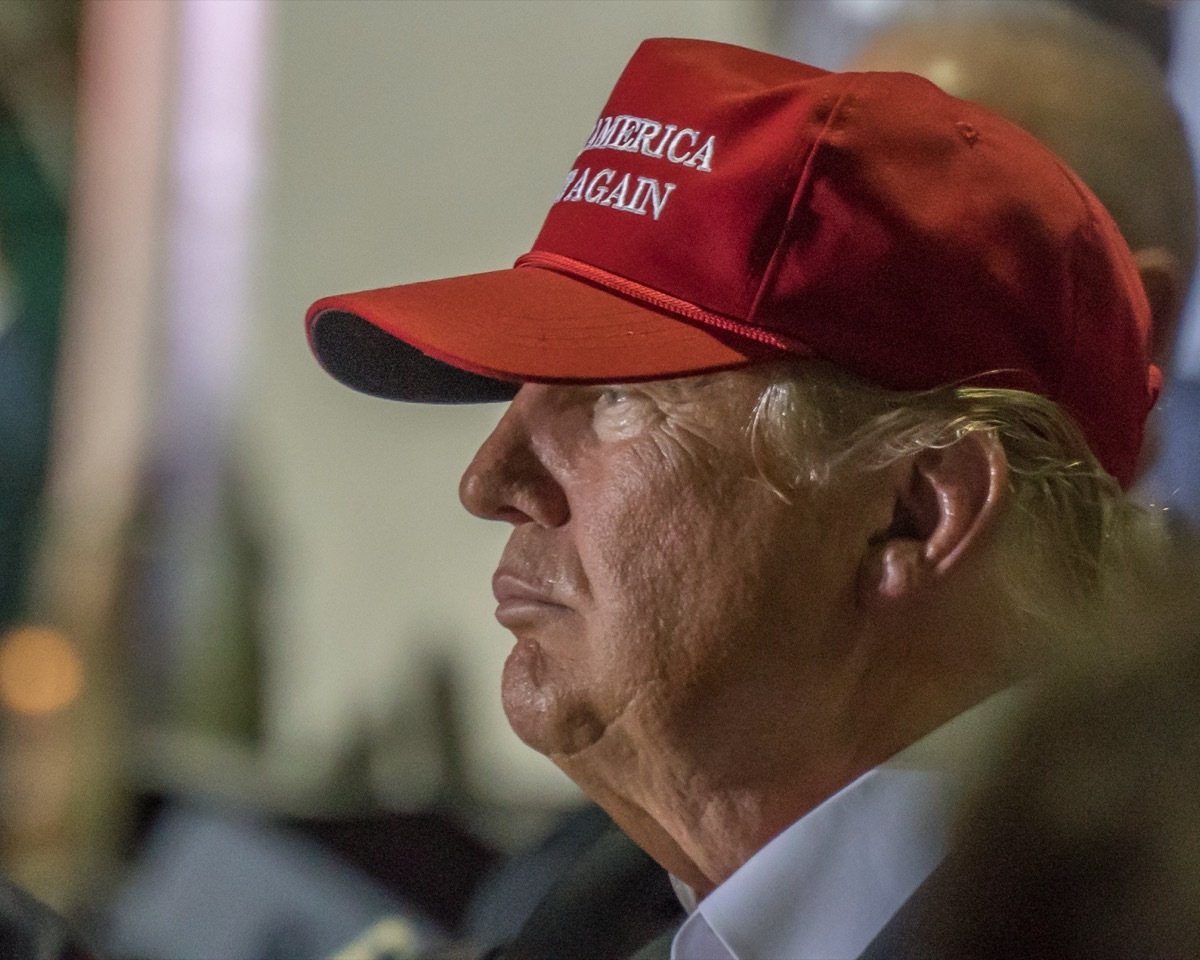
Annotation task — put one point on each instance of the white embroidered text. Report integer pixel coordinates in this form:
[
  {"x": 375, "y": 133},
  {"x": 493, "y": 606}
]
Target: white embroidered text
[
  {"x": 653, "y": 139},
  {"x": 628, "y": 194}
]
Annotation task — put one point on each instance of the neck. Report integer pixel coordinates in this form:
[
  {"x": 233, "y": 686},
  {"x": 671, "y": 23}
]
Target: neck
[{"x": 704, "y": 803}]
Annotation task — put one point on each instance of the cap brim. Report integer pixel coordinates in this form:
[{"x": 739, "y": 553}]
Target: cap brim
[{"x": 478, "y": 337}]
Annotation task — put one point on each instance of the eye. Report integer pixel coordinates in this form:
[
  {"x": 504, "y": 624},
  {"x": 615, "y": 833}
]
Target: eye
[
  {"x": 621, "y": 411},
  {"x": 612, "y": 395}
]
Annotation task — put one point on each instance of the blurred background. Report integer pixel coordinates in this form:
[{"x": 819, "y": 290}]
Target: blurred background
[{"x": 228, "y": 584}]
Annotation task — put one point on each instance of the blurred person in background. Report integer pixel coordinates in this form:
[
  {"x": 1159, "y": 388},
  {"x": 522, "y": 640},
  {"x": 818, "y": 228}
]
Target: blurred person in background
[
  {"x": 823, "y": 388},
  {"x": 1083, "y": 843},
  {"x": 1097, "y": 98}
]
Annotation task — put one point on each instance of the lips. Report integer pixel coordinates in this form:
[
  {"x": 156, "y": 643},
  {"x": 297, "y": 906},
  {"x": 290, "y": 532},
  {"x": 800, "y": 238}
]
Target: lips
[{"x": 520, "y": 600}]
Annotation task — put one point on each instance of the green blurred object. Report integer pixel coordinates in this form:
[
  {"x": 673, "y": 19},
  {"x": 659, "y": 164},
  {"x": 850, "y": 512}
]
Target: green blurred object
[{"x": 33, "y": 240}]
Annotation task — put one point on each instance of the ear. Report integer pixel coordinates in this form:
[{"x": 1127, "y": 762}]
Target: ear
[
  {"x": 943, "y": 502},
  {"x": 1162, "y": 280}
]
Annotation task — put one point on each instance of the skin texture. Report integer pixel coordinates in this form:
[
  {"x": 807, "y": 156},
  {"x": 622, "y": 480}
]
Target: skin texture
[
  {"x": 705, "y": 658},
  {"x": 1096, "y": 99}
]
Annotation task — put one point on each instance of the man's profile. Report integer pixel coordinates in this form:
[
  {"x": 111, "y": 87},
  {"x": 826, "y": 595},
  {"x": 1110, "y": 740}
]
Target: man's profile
[{"x": 823, "y": 388}]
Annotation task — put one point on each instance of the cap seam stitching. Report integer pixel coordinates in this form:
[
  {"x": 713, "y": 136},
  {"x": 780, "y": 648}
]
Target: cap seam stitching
[{"x": 774, "y": 265}]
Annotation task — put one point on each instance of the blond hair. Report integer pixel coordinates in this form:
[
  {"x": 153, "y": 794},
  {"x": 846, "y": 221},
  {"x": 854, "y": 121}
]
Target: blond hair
[{"x": 1069, "y": 536}]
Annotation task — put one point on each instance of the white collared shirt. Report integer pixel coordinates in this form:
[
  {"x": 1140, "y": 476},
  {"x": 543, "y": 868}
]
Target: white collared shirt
[{"x": 827, "y": 885}]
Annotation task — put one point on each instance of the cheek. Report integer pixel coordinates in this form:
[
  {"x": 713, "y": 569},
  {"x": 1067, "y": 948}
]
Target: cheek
[
  {"x": 729, "y": 574},
  {"x": 672, "y": 572}
]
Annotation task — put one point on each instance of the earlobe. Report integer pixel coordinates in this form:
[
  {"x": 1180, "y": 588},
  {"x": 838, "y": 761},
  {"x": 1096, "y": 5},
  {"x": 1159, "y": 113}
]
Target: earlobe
[
  {"x": 944, "y": 502},
  {"x": 900, "y": 568}
]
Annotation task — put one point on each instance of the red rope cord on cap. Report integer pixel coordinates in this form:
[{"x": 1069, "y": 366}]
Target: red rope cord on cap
[{"x": 658, "y": 299}]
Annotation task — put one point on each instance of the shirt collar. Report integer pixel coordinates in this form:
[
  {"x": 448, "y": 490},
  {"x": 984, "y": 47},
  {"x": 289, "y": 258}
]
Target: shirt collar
[{"x": 828, "y": 884}]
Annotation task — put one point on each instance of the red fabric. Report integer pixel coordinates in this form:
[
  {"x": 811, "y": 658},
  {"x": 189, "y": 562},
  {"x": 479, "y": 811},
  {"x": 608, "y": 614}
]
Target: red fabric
[{"x": 870, "y": 219}]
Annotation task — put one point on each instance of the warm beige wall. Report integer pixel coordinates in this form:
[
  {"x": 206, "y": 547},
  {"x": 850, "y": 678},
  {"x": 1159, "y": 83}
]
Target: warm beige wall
[{"x": 409, "y": 140}]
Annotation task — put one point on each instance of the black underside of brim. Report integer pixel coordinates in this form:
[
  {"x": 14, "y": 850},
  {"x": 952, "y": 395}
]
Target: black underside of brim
[{"x": 367, "y": 359}]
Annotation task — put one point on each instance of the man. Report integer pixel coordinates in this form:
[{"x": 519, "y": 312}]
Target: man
[
  {"x": 823, "y": 390},
  {"x": 1093, "y": 95}
]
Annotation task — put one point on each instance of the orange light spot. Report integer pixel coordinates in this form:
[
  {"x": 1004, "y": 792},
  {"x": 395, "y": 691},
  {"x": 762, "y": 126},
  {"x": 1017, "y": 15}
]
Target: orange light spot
[{"x": 40, "y": 672}]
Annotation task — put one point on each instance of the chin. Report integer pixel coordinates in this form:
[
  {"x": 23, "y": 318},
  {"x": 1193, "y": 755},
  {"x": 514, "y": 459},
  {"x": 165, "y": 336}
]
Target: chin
[{"x": 546, "y": 718}]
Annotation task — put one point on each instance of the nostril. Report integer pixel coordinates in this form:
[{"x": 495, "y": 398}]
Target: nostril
[{"x": 512, "y": 515}]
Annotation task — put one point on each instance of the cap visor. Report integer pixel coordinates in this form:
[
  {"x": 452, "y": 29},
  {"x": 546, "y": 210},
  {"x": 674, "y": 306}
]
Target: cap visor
[{"x": 477, "y": 337}]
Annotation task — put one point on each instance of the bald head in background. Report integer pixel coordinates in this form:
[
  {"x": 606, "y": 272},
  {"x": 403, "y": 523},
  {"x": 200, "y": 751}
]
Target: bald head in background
[{"x": 1093, "y": 95}]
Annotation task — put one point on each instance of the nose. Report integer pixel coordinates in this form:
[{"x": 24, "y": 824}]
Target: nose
[{"x": 508, "y": 479}]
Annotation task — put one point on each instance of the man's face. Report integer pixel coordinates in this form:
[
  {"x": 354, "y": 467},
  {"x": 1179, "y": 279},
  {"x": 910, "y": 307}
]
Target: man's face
[{"x": 653, "y": 581}]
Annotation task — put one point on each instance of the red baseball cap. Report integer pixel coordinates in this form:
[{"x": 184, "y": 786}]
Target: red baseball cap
[{"x": 733, "y": 207}]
